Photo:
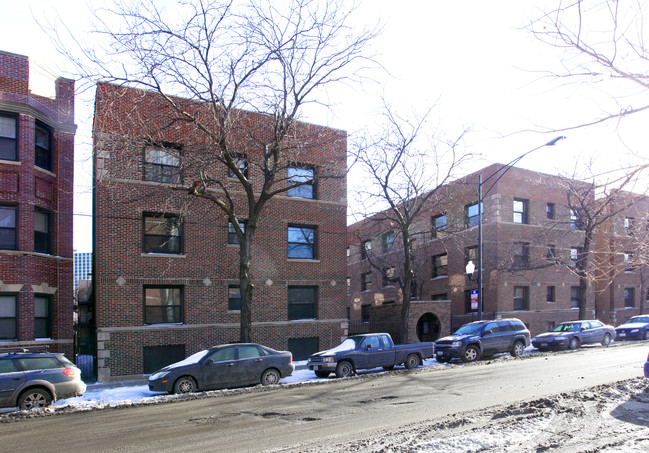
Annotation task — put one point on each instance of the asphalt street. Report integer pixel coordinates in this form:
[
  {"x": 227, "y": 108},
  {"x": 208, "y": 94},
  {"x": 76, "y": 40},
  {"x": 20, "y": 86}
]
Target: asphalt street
[{"x": 320, "y": 413}]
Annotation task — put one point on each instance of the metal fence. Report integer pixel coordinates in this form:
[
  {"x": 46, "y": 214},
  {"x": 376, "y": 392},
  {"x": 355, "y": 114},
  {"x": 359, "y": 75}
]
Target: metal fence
[{"x": 391, "y": 327}]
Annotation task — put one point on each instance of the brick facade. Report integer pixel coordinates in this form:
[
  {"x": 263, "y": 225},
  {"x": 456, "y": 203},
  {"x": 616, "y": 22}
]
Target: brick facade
[
  {"x": 207, "y": 265},
  {"x": 32, "y": 189},
  {"x": 503, "y": 276}
]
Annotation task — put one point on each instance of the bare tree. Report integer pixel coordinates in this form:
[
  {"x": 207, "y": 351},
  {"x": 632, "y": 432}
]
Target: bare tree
[
  {"x": 209, "y": 61},
  {"x": 592, "y": 205},
  {"x": 603, "y": 43},
  {"x": 404, "y": 166}
]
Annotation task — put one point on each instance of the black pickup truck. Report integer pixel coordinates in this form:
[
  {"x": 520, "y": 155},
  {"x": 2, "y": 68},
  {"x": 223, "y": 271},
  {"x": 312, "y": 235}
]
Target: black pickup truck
[{"x": 368, "y": 351}]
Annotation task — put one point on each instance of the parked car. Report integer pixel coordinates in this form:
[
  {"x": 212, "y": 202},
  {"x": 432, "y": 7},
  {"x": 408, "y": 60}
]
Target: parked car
[
  {"x": 571, "y": 335},
  {"x": 228, "y": 365},
  {"x": 368, "y": 351},
  {"x": 483, "y": 338},
  {"x": 634, "y": 328},
  {"x": 35, "y": 379}
]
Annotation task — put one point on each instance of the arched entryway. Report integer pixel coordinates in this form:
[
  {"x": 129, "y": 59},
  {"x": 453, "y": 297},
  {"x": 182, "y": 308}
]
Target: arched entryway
[{"x": 428, "y": 327}]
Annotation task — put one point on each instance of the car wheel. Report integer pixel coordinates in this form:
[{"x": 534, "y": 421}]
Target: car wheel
[
  {"x": 322, "y": 374},
  {"x": 185, "y": 384},
  {"x": 270, "y": 377},
  {"x": 388, "y": 368},
  {"x": 574, "y": 343},
  {"x": 606, "y": 340},
  {"x": 471, "y": 354},
  {"x": 646, "y": 335},
  {"x": 34, "y": 398},
  {"x": 344, "y": 369},
  {"x": 518, "y": 349},
  {"x": 412, "y": 361}
]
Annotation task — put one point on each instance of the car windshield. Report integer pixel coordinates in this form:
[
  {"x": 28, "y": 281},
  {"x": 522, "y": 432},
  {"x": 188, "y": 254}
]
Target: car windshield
[
  {"x": 568, "y": 327},
  {"x": 640, "y": 320},
  {"x": 469, "y": 329},
  {"x": 347, "y": 345}
]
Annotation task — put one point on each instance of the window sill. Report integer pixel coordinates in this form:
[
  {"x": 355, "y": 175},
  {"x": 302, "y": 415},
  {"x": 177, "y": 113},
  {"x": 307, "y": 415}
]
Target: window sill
[
  {"x": 44, "y": 170},
  {"x": 10, "y": 162},
  {"x": 303, "y": 320},
  {"x": 302, "y": 260},
  {"x": 164, "y": 255},
  {"x": 162, "y": 324}
]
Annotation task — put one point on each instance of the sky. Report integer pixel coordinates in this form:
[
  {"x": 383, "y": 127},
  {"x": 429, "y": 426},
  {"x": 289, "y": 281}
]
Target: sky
[{"x": 473, "y": 60}]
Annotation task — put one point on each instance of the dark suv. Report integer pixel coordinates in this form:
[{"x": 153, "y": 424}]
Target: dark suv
[
  {"x": 483, "y": 338},
  {"x": 36, "y": 379}
]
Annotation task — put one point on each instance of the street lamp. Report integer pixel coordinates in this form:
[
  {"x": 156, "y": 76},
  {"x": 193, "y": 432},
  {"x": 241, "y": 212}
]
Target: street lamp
[{"x": 499, "y": 173}]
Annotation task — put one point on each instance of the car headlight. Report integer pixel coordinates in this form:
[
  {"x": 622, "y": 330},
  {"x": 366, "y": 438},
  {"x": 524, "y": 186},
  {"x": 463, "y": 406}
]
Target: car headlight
[
  {"x": 328, "y": 359},
  {"x": 456, "y": 344},
  {"x": 159, "y": 375}
]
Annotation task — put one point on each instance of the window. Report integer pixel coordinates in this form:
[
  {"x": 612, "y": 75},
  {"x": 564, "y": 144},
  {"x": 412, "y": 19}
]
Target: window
[
  {"x": 471, "y": 254},
  {"x": 551, "y": 253},
  {"x": 574, "y": 296},
  {"x": 302, "y": 302},
  {"x": 42, "y": 317},
  {"x": 367, "y": 281},
  {"x": 550, "y": 294},
  {"x": 521, "y": 298},
  {"x": 8, "y": 228},
  {"x": 157, "y": 357},
  {"x": 8, "y": 318},
  {"x": 349, "y": 286},
  {"x": 301, "y": 242},
  {"x": 365, "y": 313},
  {"x": 302, "y": 348},
  {"x": 366, "y": 249},
  {"x": 303, "y": 176},
  {"x": 440, "y": 265},
  {"x": 8, "y": 134},
  {"x": 576, "y": 223},
  {"x": 223, "y": 354},
  {"x": 162, "y": 165},
  {"x": 234, "y": 298},
  {"x": 629, "y": 297},
  {"x": 232, "y": 234},
  {"x": 549, "y": 211},
  {"x": 575, "y": 256},
  {"x": 440, "y": 223},
  {"x": 628, "y": 260},
  {"x": 242, "y": 164},
  {"x": 550, "y": 325},
  {"x": 520, "y": 211},
  {"x": 629, "y": 226},
  {"x": 471, "y": 214},
  {"x": 163, "y": 304},
  {"x": 441, "y": 296},
  {"x": 413, "y": 244},
  {"x": 162, "y": 233},
  {"x": 388, "y": 276},
  {"x": 43, "y": 147},
  {"x": 521, "y": 254},
  {"x": 387, "y": 241},
  {"x": 42, "y": 235}
]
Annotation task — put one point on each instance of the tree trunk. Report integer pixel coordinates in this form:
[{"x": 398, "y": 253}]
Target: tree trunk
[
  {"x": 245, "y": 286},
  {"x": 406, "y": 290},
  {"x": 582, "y": 265}
]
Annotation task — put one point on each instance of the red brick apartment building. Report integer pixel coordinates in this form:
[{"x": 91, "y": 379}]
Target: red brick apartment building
[
  {"x": 36, "y": 173},
  {"x": 530, "y": 241},
  {"x": 166, "y": 263}
]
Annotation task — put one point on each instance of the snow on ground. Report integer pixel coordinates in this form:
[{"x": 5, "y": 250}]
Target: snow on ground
[{"x": 101, "y": 395}]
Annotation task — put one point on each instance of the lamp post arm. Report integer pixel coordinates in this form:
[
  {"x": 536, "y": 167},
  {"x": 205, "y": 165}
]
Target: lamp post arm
[{"x": 501, "y": 171}]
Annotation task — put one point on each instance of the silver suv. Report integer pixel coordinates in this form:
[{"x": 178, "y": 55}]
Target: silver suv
[{"x": 36, "y": 379}]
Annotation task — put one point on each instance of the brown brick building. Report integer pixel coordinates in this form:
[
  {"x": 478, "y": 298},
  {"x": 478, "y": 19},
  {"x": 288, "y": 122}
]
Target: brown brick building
[
  {"x": 36, "y": 174},
  {"x": 530, "y": 242},
  {"x": 166, "y": 263}
]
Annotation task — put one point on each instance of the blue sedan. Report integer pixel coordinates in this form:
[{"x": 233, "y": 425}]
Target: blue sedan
[
  {"x": 646, "y": 368},
  {"x": 634, "y": 328}
]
